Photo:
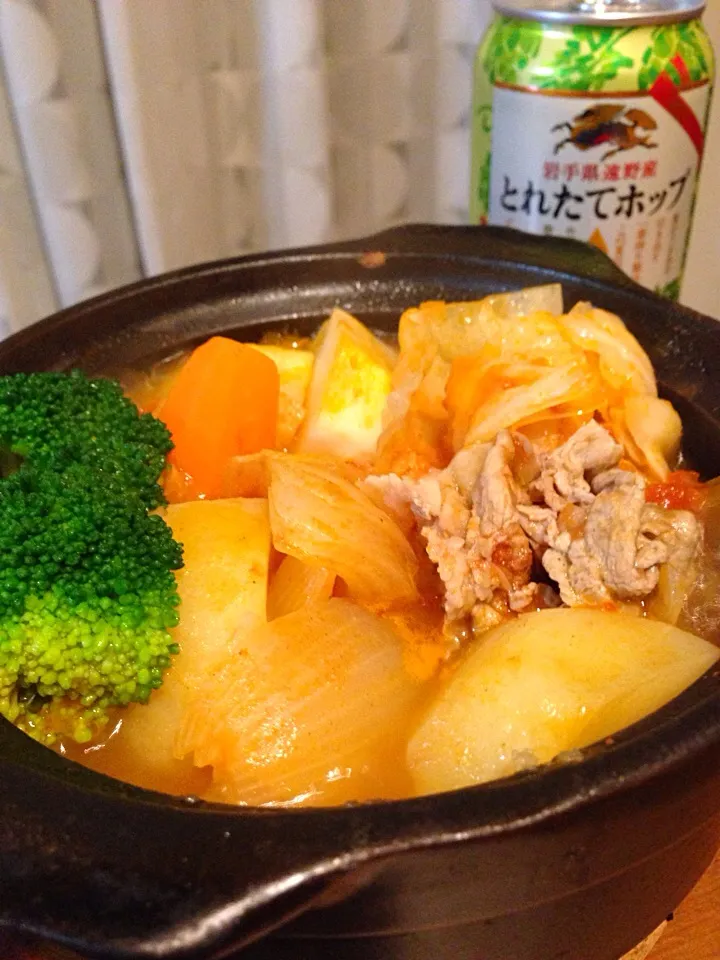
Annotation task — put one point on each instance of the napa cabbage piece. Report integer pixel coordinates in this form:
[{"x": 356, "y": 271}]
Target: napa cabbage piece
[
  {"x": 623, "y": 363},
  {"x": 546, "y": 683},
  {"x": 319, "y": 516},
  {"x": 572, "y": 366},
  {"x": 463, "y": 328},
  {"x": 348, "y": 391},
  {"x": 431, "y": 337},
  {"x": 650, "y": 429},
  {"x": 529, "y": 374},
  {"x": 466, "y": 371},
  {"x": 485, "y": 396},
  {"x": 305, "y": 710},
  {"x": 223, "y": 593}
]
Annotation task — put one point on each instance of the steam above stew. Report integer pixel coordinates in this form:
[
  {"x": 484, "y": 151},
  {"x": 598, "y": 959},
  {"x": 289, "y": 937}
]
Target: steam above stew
[{"x": 410, "y": 568}]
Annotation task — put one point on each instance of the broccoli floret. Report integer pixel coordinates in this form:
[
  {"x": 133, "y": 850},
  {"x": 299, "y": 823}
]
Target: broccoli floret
[{"x": 87, "y": 589}]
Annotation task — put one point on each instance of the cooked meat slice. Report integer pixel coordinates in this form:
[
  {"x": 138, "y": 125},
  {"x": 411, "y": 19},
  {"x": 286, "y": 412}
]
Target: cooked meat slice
[
  {"x": 500, "y": 553},
  {"x": 467, "y": 514},
  {"x": 433, "y": 497},
  {"x": 610, "y": 479},
  {"x": 498, "y": 506},
  {"x": 521, "y": 598},
  {"x": 495, "y": 492},
  {"x": 564, "y": 475},
  {"x": 592, "y": 522},
  {"x": 613, "y": 538},
  {"x": 668, "y": 536},
  {"x": 541, "y": 526},
  {"x": 450, "y": 555},
  {"x": 577, "y": 574},
  {"x": 623, "y": 544},
  {"x": 442, "y": 512}
]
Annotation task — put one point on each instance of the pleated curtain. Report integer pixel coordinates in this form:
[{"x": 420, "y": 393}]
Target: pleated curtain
[{"x": 137, "y": 136}]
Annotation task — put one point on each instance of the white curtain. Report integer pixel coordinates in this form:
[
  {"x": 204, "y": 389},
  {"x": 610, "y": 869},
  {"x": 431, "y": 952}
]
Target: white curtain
[{"x": 137, "y": 136}]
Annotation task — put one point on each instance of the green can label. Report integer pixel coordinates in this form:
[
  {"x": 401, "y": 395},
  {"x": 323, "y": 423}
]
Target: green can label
[{"x": 594, "y": 133}]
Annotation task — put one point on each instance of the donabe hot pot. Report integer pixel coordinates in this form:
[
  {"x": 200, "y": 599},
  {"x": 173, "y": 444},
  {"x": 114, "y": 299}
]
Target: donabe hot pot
[{"x": 578, "y": 861}]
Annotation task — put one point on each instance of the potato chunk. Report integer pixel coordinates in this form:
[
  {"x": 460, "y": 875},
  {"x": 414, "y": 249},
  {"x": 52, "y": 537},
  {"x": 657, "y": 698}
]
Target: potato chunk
[{"x": 223, "y": 591}]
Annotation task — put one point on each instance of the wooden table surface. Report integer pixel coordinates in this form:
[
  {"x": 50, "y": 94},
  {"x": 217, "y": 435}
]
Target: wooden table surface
[{"x": 694, "y": 933}]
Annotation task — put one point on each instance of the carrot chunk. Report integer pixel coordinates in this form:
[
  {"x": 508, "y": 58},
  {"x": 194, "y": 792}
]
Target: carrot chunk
[{"x": 222, "y": 404}]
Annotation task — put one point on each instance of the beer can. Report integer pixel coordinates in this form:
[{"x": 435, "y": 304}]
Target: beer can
[{"x": 589, "y": 121}]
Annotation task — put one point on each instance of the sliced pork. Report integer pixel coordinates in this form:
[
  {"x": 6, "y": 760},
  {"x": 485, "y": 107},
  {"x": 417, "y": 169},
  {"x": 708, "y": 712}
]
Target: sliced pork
[{"x": 500, "y": 508}]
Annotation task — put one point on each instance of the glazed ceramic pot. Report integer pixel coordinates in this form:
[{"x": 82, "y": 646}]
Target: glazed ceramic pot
[{"x": 578, "y": 861}]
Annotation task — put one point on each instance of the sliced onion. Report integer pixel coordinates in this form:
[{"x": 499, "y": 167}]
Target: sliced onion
[
  {"x": 547, "y": 683},
  {"x": 319, "y": 517},
  {"x": 296, "y": 584},
  {"x": 305, "y": 709}
]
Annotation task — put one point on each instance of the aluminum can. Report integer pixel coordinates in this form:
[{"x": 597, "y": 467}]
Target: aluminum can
[{"x": 589, "y": 121}]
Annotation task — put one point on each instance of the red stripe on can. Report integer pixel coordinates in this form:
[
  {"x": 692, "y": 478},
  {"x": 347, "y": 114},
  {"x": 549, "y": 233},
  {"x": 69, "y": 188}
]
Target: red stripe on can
[{"x": 668, "y": 96}]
